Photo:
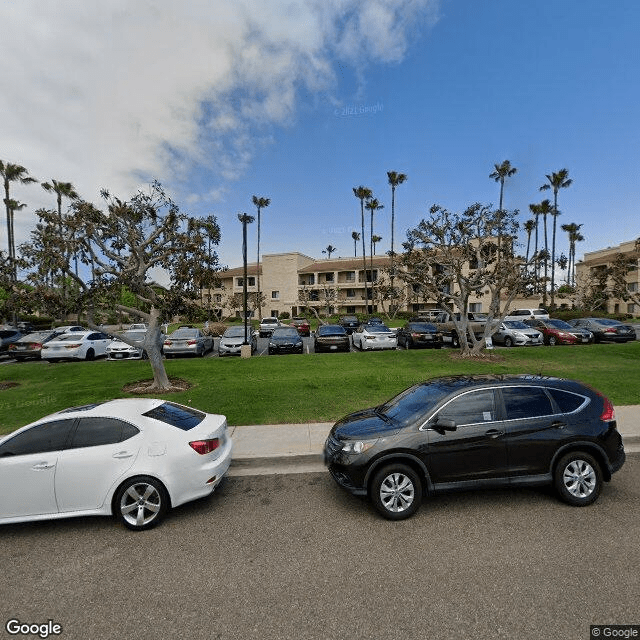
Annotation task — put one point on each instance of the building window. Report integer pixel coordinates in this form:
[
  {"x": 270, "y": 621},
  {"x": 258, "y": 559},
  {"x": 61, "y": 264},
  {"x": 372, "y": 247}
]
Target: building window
[
  {"x": 632, "y": 286},
  {"x": 351, "y": 309},
  {"x": 239, "y": 282},
  {"x": 251, "y": 281},
  {"x": 631, "y": 308},
  {"x": 328, "y": 277},
  {"x": 351, "y": 276},
  {"x": 475, "y": 307},
  {"x": 275, "y": 295},
  {"x": 351, "y": 293}
]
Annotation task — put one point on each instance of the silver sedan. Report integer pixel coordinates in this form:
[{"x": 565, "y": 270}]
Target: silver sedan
[
  {"x": 232, "y": 340},
  {"x": 516, "y": 332},
  {"x": 187, "y": 341}
]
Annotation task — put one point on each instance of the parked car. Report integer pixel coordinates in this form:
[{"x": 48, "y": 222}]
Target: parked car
[
  {"x": 302, "y": 325},
  {"x": 464, "y": 432},
  {"x": 76, "y": 345},
  {"x": 528, "y": 314},
  {"x": 285, "y": 340},
  {"x": 559, "y": 332},
  {"x": 232, "y": 340},
  {"x": 374, "y": 336},
  {"x": 419, "y": 334},
  {"x": 267, "y": 326},
  {"x": 30, "y": 346},
  {"x": 518, "y": 333},
  {"x": 187, "y": 341},
  {"x": 133, "y": 458},
  {"x": 120, "y": 350},
  {"x": 139, "y": 326},
  {"x": 350, "y": 323},
  {"x": 70, "y": 328},
  {"x": 606, "y": 329},
  {"x": 7, "y": 337},
  {"x": 331, "y": 337}
]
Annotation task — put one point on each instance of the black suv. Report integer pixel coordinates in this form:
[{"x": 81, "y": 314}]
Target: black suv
[
  {"x": 350, "y": 323},
  {"x": 469, "y": 432}
]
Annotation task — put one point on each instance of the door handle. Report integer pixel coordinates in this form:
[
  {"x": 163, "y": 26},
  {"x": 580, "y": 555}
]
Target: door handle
[
  {"x": 43, "y": 466},
  {"x": 558, "y": 424},
  {"x": 121, "y": 455},
  {"x": 494, "y": 433}
]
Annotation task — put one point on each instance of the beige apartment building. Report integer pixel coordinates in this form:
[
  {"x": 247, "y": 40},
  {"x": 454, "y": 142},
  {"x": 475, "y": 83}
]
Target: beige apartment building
[
  {"x": 595, "y": 260},
  {"x": 291, "y": 281}
]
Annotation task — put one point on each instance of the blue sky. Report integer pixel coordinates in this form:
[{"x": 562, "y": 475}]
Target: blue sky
[{"x": 448, "y": 89}]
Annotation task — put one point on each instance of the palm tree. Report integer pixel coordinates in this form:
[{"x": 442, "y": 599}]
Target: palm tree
[
  {"x": 394, "y": 179},
  {"x": 373, "y": 204},
  {"x": 501, "y": 173},
  {"x": 355, "y": 236},
  {"x": 545, "y": 209},
  {"x": 529, "y": 227},
  {"x": 13, "y": 206},
  {"x": 375, "y": 241},
  {"x": 12, "y": 173},
  {"x": 260, "y": 203},
  {"x": 555, "y": 181},
  {"x": 535, "y": 211},
  {"x": 573, "y": 230},
  {"x": 363, "y": 193},
  {"x": 329, "y": 250}
]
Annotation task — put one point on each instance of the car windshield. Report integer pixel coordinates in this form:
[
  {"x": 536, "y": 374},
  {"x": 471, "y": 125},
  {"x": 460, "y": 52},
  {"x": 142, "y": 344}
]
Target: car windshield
[
  {"x": 516, "y": 324},
  {"x": 607, "y": 322},
  {"x": 540, "y": 312},
  {"x": 71, "y": 337},
  {"x": 349, "y": 319},
  {"x": 235, "y": 332},
  {"x": 138, "y": 336},
  {"x": 269, "y": 320},
  {"x": 421, "y": 326},
  {"x": 413, "y": 404},
  {"x": 559, "y": 324},
  {"x": 36, "y": 337},
  {"x": 331, "y": 330},
  {"x": 184, "y": 333},
  {"x": 286, "y": 332},
  {"x": 176, "y": 415},
  {"x": 377, "y": 328}
]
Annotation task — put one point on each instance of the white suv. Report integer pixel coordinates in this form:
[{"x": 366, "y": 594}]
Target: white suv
[
  {"x": 528, "y": 314},
  {"x": 267, "y": 325}
]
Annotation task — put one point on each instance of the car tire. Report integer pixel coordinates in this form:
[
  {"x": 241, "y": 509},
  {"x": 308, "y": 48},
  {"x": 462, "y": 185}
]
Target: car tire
[
  {"x": 552, "y": 341},
  {"x": 141, "y": 503},
  {"x": 508, "y": 342},
  {"x": 90, "y": 355},
  {"x": 408, "y": 344},
  {"x": 578, "y": 479},
  {"x": 396, "y": 491},
  {"x": 455, "y": 341}
]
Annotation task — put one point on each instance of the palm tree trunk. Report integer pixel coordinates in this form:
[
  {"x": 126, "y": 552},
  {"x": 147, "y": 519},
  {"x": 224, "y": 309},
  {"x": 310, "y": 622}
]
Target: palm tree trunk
[
  {"x": 364, "y": 259},
  {"x": 258, "y": 272}
]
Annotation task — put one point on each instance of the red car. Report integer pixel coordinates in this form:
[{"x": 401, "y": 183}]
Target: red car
[
  {"x": 560, "y": 332},
  {"x": 302, "y": 325}
]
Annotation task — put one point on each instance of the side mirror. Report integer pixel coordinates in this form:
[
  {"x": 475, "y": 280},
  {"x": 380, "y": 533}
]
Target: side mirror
[{"x": 441, "y": 425}]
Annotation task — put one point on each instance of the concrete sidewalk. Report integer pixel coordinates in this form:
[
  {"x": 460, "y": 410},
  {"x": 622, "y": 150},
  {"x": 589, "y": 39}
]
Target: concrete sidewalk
[{"x": 297, "y": 448}]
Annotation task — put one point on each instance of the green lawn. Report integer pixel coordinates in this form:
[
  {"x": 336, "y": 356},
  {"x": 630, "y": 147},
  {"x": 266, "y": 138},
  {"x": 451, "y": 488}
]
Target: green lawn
[{"x": 306, "y": 388}]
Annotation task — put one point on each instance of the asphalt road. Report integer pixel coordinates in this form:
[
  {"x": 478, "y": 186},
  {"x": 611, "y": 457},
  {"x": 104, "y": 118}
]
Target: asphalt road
[{"x": 296, "y": 557}]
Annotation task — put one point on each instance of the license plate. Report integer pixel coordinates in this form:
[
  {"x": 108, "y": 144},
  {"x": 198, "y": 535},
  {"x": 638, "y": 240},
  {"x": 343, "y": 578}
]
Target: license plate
[
  {"x": 585, "y": 339},
  {"x": 333, "y": 346},
  {"x": 117, "y": 355}
]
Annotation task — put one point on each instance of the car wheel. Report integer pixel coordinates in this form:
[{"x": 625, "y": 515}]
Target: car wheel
[
  {"x": 141, "y": 503},
  {"x": 508, "y": 342},
  {"x": 90, "y": 355},
  {"x": 396, "y": 491},
  {"x": 578, "y": 479},
  {"x": 552, "y": 341},
  {"x": 455, "y": 341},
  {"x": 408, "y": 344}
]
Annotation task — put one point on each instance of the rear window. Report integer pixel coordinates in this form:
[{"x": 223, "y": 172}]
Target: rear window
[
  {"x": 331, "y": 330},
  {"x": 176, "y": 415},
  {"x": 566, "y": 400},
  {"x": 526, "y": 402}
]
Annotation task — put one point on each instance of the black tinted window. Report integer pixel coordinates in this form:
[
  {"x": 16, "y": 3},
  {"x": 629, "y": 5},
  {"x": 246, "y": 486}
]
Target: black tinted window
[
  {"x": 566, "y": 400},
  {"x": 50, "y": 436},
  {"x": 93, "y": 432},
  {"x": 526, "y": 402},
  {"x": 471, "y": 408},
  {"x": 182, "y": 417}
]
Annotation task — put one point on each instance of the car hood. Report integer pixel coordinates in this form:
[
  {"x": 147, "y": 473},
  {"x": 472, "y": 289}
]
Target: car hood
[
  {"x": 286, "y": 339},
  {"x": 234, "y": 340},
  {"x": 363, "y": 424}
]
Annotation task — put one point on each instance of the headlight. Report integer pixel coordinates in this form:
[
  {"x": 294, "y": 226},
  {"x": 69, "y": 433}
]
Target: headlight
[
  {"x": 358, "y": 446},
  {"x": 519, "y": 335}
]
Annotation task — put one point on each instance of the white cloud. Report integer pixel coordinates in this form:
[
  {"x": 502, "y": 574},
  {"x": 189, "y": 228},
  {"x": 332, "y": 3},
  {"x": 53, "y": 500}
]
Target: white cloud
[{"x": 108, "y": 94}]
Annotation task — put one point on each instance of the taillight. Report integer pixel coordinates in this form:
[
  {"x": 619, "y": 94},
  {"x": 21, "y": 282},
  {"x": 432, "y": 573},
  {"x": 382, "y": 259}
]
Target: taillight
[
  {"x": 73, "y": 346},
  {"x": 608, "y": 412},
  {"x": 167, "y": 342},
  {"x": 610, "y": 330},
  {"x": 205, "y": 446},
  {"x": 191, "y": 342}
]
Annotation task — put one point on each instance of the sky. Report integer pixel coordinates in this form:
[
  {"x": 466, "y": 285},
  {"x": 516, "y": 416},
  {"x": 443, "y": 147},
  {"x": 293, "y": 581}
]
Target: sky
[{"x": 300, "y": 101}]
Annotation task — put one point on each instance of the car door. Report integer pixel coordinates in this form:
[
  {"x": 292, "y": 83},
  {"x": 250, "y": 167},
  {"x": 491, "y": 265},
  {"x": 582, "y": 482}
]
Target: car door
[
  {"x": 100, "y": 452},
  {"x": 534, "y": 429},
  {"x": 28, "y": 463},
  {"x": 476, "y": 450},
  {"x": 99, "y": 342}
]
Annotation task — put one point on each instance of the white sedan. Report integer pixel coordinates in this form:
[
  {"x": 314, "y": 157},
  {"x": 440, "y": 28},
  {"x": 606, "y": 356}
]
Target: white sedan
[
  {"x": 133, "y": 458},
  {"x": 76, "y": 345},
  {"x": 374, "y": 336}
]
